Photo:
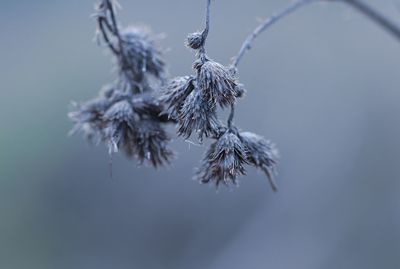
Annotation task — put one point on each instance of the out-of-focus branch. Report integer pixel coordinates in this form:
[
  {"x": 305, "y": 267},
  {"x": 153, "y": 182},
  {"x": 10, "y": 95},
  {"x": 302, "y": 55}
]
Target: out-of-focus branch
[
  {"x": 359, "y": 5},
  {"x": 375, "y": 16}
]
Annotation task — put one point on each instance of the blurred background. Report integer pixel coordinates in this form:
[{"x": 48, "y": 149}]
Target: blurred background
[{"x": 323, "y": 84}]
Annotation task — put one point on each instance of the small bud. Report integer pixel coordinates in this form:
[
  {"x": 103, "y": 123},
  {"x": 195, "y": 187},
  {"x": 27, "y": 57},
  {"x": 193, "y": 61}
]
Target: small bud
[{"x": 195, "y": 40}]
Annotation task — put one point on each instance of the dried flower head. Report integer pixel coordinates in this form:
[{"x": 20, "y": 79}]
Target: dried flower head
[
  {"x": 151, "y": 142},
  {"x": 148, "y": 106},
  {"x": 127, "y": 123},
  {"x": 197, "y": 115},
  {"x": 88, "y": 117},
  {"x": 195, "y": 40},
  {"x": 120, "y": 128},
  {"x": 224, "y": 161},
  {"x": 175, "y": 93},
  {"x": 218, "y": 82},
  {"x": 140, "y": 57},
  {"x": 261, "y": 154}
]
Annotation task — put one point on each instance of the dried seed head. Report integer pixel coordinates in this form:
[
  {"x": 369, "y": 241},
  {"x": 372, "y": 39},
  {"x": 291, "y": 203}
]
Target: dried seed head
[
  {"x": 195, "y": 40},
  {"x": 175, "y": 93},
  {"x": 224, "y": 161},
  {"x": 218, "y": 82},
  {"x": 151, "y": 142},
  {"x": 127, "y": 123},
  {"x": 141, "y": 56},
  {"x": 197, "y": 115},
  {"x": 88, "y": 118},
  {"x": 261, "y": 154}
]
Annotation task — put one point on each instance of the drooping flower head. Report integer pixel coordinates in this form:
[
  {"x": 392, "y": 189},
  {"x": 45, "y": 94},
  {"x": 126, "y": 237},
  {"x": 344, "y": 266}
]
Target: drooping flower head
[
  {"x": 261, "y": 154},
  {"x": 217, "y": 82},
  {"x": 140, "y": 57},
  {"x": 127, "y": 123},
  {"x": 197, "y": 115},
  {"x": 175, "y": 93},
  {"x": 120, "y": 125},
  {"x": 88, "y": 117},
  {"x": 224, "y": 161},
  {"x": 151, "y": 143}
]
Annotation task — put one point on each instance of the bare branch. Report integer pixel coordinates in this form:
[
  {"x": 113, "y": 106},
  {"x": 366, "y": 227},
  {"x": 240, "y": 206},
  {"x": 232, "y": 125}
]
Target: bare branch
[
  {"x": 266, "y": 24},
  {"x": 375, "y": 16},
  {"x": 359, "y": 5}
]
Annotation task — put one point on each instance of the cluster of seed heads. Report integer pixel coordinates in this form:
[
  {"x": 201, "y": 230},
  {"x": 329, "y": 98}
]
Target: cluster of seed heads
[{"x": 129, "y": 114}]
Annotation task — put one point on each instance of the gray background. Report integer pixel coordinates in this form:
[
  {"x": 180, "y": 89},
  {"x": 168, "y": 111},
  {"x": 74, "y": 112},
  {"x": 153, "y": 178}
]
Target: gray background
[{"x": 324, "y": 85}]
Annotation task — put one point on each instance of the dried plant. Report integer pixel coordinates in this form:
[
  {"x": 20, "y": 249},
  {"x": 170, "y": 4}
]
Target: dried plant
[
  {"x": 128, "y": 116},
  {"x": 130, "y": 113}
]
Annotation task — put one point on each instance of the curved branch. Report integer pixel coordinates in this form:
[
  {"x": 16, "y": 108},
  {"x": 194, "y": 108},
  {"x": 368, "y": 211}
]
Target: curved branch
[
  {"x": 375, "y": 16},
  {"x": 385, "y": 23},
  {"x": 103, "y": 31},
  {"x": 266, "y": 24}
]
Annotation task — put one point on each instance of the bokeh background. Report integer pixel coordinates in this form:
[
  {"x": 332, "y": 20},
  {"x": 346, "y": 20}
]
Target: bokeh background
[{"x": 323, "y": 84}]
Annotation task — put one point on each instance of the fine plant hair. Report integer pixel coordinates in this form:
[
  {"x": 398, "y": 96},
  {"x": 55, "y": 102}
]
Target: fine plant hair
[{"x": 130, "y": 113}]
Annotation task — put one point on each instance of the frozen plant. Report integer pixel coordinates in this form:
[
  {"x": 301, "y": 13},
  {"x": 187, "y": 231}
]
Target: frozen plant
[{"x": 129, "y": 114}]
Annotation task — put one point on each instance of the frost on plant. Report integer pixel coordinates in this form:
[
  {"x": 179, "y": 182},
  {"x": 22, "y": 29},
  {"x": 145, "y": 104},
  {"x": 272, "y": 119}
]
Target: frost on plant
[
  {"x": 175, "y": 93},
  {"x": 217, "y": 82},
  {"x": 224, "y": 161},
  {"x": 127, "y": 116},
  {"x": 197, "y": 115}
]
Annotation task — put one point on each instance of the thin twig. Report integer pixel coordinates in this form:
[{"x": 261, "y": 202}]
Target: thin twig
[
  {"x": 231, "y": 116},
  {"x": 100, "y": 22},
  {"x": 115, "y": 26},
  {"x": 266, "y": 24},
  {"x": 202, "y": 51},
  {"x": 375, "y": 16},
  {"x": 385, "y": 23}
]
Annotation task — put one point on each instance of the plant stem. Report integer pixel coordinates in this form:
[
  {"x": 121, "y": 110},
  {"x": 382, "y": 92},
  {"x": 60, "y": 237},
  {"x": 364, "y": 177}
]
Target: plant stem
[
  {"x": 375, "y": 16},
  {"x": 231, "y": 116},
  {"x": 105, "y": 36},
  {"x": 385, "y": 23},
  {"x": 202, "y": 51},
  {"x": 115, "y": 26},
  {"x": 266, "y": 24}
]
